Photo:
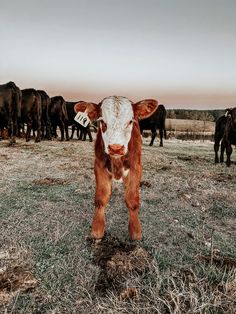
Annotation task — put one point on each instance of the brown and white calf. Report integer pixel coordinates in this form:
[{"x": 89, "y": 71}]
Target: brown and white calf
[{"x": 118, "y": 155}]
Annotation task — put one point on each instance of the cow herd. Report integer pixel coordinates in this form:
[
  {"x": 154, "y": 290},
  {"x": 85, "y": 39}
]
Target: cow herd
[
  {"x": 38, "y": 112},
  {"x": 42, "y": 116}
]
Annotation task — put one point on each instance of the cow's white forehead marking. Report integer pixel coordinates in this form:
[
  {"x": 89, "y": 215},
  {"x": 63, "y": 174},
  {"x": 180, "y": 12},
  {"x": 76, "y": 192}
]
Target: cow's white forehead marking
[{"x": 116, "y": 110}]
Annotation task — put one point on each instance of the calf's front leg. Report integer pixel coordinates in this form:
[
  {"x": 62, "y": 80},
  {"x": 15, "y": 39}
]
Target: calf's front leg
[
  {"x": 132, "y": 183},
  {"x": 102, "y": 196}
]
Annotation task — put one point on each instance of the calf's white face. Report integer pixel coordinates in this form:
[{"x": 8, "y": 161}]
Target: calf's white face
[
  {"x": 116, "y": 124},
  {"x": 117, "y": 115}
]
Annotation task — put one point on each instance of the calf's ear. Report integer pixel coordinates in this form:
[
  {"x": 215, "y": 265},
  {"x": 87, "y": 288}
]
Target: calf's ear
[
  {"x": 145, "y": 108},
  {"x": 93, "y": 110}
]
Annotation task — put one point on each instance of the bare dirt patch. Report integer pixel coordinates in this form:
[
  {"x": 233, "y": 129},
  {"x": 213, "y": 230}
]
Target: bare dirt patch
[
  {"x": 15, "y": 275},
  {"x": 50, "y": 181},
  {"x": 118, "y": 261},
  {"x": 15, "y": 280}
]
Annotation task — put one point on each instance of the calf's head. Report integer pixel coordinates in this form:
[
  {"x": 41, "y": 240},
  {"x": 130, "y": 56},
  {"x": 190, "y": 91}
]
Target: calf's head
[{"x": 117, "y": 115}]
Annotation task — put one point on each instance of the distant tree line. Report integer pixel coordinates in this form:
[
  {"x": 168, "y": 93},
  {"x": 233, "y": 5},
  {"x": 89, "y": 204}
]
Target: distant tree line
[{"x": 203, "y": 115}]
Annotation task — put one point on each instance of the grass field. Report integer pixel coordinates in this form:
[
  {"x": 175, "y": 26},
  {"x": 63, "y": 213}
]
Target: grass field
[
  {"x": 185, "y": 263},
  {"x": 184, "y": 125}
]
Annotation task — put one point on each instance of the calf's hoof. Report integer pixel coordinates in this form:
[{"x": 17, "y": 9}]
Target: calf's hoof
[
  {"x": 98, "y": 229},
  {"x": 135, "y": 236},
  {"x": 135, "y": 232},
  {"x": 97, "y": 234}
]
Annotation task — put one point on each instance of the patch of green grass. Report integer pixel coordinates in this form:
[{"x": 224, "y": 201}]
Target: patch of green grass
[{"x": 222, "y": 210}]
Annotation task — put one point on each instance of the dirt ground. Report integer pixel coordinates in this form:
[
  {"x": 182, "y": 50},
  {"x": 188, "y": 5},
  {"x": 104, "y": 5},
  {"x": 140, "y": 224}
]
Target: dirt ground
[{"x": 185, "y": 262}]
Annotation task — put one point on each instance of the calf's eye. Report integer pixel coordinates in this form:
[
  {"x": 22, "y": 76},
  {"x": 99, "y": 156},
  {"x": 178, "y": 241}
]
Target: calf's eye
[{"x": 129, "y": 123}]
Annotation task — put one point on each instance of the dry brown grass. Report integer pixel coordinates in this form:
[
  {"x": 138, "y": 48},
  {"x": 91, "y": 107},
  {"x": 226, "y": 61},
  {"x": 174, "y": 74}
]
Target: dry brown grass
[
  {"x": 183, "y": 125},
  {"x": 184, "y": 263}
]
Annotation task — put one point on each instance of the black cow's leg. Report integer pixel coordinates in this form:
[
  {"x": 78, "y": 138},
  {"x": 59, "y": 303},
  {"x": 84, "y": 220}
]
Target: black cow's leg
[
  {"x": 42, "y": 130},
  {"x": 14, "y": 130},
  {"x": 10, "y": 131},
  {"x": 161, "y": 136},
  {"x": 216, "y": 149},
  {"x": 72, "y": 131},
  {"x": 154, "y": 134},
  {"x": 62, "y": 127},
  {"x": 84, "y": 135},
  {"x": 48, "y": 132},
  {"x": 67, "y": 132},
  {"x": 222, "y": 150},
  {"x": 38, "y": 137},
  {"x": 228, "y": 153},
  {"x": 78, "y": 133},
  {"x": 90, "y": 135},
  {"x": 54, "y": 130},
  {"x": 28, "y": 131},
  {"x": 81, "y": 135}
]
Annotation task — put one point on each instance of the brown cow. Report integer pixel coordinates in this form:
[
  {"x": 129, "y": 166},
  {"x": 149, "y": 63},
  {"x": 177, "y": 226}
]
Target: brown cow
[{"x": 118, "y": 155}]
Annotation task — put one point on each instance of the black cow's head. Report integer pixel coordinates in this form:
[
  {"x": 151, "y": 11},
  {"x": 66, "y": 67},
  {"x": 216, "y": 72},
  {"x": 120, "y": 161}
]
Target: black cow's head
[{"x": 230, "y": 113}]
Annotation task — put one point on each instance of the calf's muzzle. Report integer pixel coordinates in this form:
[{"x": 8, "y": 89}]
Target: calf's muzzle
[{"x": 116, "y": 149}]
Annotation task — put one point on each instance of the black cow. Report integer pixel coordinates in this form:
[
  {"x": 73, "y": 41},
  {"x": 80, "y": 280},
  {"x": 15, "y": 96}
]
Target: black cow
[
  {"x": 81, "y": 131},
  {"x": 59, "y": 116},
  {"x": 45, "y": 121},
  {"x": 229, "y": 137},
  {"x": 31, "y": 112},
  {"x": 219, "y": 133},
  {"x": 10, "y": 102},
  {"x": 154, "y": 122}
]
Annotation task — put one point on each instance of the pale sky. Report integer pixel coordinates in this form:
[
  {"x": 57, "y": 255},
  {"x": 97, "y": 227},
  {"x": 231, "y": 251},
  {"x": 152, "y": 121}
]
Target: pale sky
[{"x": 181, "y": 52}]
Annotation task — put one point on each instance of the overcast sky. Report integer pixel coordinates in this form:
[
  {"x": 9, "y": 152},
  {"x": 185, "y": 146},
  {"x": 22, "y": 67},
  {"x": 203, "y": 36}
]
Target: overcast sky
[{"x": 181, "y": 52}]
